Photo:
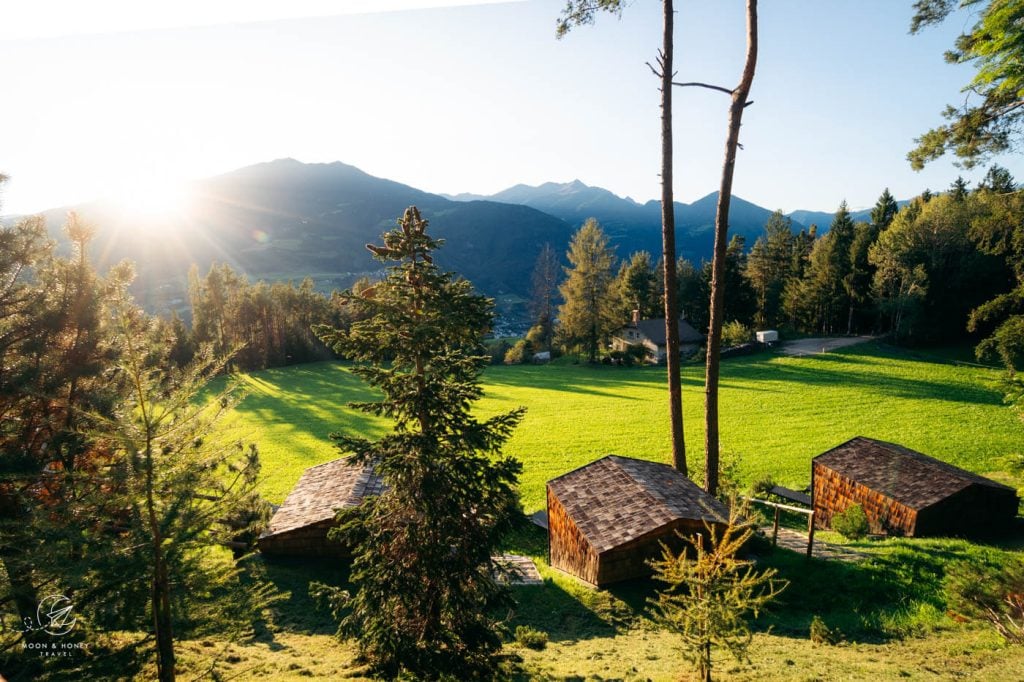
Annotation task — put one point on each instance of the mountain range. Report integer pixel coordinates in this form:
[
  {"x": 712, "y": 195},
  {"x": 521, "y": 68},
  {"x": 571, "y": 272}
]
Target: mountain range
[{"x": 287, "y": 220}]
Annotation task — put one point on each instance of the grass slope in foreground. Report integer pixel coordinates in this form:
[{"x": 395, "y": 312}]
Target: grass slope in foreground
[{"x": 777, "y": 413}]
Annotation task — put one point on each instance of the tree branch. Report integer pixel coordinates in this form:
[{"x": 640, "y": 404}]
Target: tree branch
[{"x": 704, "y": 85}]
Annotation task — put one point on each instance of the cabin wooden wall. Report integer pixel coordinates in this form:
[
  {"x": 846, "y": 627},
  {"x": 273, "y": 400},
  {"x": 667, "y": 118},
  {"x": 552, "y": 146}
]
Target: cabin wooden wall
[
  {"x": 630, "y": 560},
  {"x": 976, "y": 511},
  {"x": 308, "y": 541},
  {"x": 833, "y": 493},
  {"x": 568, "y": 549}
]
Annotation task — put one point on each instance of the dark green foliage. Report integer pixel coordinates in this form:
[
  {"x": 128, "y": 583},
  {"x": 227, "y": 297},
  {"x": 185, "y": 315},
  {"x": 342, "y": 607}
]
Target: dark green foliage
[
  {"x": 851, "y": 523},
  {"x": 693, "y": 294},
  {"x": 544, "y": 296},
  {"x": 884, "y": 211},
  {"x": 269, "y": 325},
  {"x": 989, "y": 120},
  {"x": 959, "y": 189},
  {"x": 990, "y": 589},
  {"x": 531, "y": 638},
  {"x": 998, "y": 180},
  {"x": 740, "y": 296},
  {"x": 637, "y": 288},
  {"x": 929, "y": 271},
  {"x": 998, "y": 231},
  {"x": 769, "y": 267},
  {"x": 423, "y": 570}
]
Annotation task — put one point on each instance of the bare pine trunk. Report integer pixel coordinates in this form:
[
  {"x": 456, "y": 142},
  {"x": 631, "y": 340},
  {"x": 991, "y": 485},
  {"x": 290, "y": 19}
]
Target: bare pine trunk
[
  {"x": 668, "y": 241},
  {"x": 739, "y": 102}
]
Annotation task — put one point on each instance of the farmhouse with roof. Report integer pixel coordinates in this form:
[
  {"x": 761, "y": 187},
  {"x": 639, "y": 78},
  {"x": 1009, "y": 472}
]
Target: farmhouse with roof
[
  {"x": 299, "y": 527},
  {"x": 650, "y": 335},
  {"x": 606, "y": 519},
  {"x": 904, "y": 492}
]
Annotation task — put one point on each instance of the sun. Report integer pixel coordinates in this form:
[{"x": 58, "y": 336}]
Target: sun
[{"x": 150, "y": 197}]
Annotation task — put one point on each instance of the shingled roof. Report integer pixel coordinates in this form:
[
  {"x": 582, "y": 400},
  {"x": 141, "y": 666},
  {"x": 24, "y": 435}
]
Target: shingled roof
[
  {"x": 655, "y": 331},
  {"x": 909, "y": 477},
  {"x": 618, "y": 499},
  {"x": 321, "y": 491}
]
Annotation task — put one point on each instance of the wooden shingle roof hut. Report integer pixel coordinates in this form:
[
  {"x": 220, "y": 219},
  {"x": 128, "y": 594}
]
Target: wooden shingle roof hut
[
  {"x": 904, "y": 492},
  {"x": 299, "y": 526},
  {"x": 605, "y": 519}
]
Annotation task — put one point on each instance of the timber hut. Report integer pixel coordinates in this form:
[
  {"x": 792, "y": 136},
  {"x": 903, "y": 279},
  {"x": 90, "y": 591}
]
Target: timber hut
[
  {"x": 299, "y": 527},
  {"x": 904, "y": 492},
  {"x": 606, "y": 519}
]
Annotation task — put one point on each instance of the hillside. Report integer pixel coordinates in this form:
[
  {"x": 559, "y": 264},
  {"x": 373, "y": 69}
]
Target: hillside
[{"x": 287, "y": 220}]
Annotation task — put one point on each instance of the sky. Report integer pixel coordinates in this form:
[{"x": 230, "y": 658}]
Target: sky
[{"x": 114, "y": 99}]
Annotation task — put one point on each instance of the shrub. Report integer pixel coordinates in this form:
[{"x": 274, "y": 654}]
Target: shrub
[
  {"x": 851, "y": 523},
  {"x": 822, "y": 633},
  {"x": 531, "y": 638},
  {"x": 735, "y": 333},
  {"x": 763, "y": 486},
  {"x": 520, "y": 353}
]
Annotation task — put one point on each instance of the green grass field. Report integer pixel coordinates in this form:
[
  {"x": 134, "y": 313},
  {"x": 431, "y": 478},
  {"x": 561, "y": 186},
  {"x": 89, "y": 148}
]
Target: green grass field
[{"x": 777, "y": 413}]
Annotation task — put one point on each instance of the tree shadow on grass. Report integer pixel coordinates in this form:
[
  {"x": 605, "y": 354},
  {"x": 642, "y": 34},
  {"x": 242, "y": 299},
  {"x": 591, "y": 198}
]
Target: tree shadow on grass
[
  {"x": 896, "y": 592},
  {"x": 297, "y": 611}
]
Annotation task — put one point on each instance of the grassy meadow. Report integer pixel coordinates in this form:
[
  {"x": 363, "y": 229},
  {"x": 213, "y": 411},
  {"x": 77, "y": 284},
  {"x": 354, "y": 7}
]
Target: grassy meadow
[{"x": 777, "y": 413}]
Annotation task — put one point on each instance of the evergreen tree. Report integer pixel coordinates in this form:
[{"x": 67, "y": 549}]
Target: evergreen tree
[
  {"x": 824, "y": 302},
  {"x": 544, "y": 294},
  {"x": 693, "y": 294},
  {"x": 998, "y": 180},
  {"x": 884, "y": 211},
  {"x": 959, "y": 189},
  {"x": 637, "y": 288},
  {"x": 768, "y": 268},
  {"x": 588, "y": 311},
  {"x": 179, "y": 488},
  {"x": 426, "y": 591}
]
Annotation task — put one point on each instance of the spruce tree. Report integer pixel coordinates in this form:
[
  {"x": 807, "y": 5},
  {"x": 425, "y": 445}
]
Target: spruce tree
[
  {"x": 884, "y": 211},
  {"x": 423, "y": 564},
  {"x": 181, "y": 492},
  {"x": 637, "y": 287}
]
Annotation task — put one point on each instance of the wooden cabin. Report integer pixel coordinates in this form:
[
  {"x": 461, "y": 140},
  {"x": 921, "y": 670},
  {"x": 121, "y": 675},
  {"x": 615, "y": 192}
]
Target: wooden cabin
[
  {"x": 299, "y": 526},
  {"x": 606, "y": 519},
  {"x": 904, "y": 492}
]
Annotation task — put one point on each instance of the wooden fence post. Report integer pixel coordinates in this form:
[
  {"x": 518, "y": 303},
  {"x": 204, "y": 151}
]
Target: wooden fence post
[
  {"x": 810, "y": 533},
  {"x": 775, "y": 531}
]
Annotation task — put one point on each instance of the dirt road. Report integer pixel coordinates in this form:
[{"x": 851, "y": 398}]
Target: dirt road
[{"x": 821, "y": 345}]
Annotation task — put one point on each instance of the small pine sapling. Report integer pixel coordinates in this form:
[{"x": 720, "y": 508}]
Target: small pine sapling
[{"x": 710, "y": 591}]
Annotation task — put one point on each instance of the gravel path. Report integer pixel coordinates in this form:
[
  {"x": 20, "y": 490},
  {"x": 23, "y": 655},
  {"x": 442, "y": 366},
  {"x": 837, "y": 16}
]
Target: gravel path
[{"x": 815, "y": 346}]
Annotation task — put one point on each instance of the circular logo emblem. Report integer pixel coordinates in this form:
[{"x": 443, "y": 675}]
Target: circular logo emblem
[{"x": 55, "y": 615}]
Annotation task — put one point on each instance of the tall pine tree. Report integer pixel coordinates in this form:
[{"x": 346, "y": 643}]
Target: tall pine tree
[{"x": 423, "y": 568}]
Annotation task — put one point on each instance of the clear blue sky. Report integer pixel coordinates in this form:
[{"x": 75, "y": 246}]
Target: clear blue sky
[{"x": 466, "y": 97}]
